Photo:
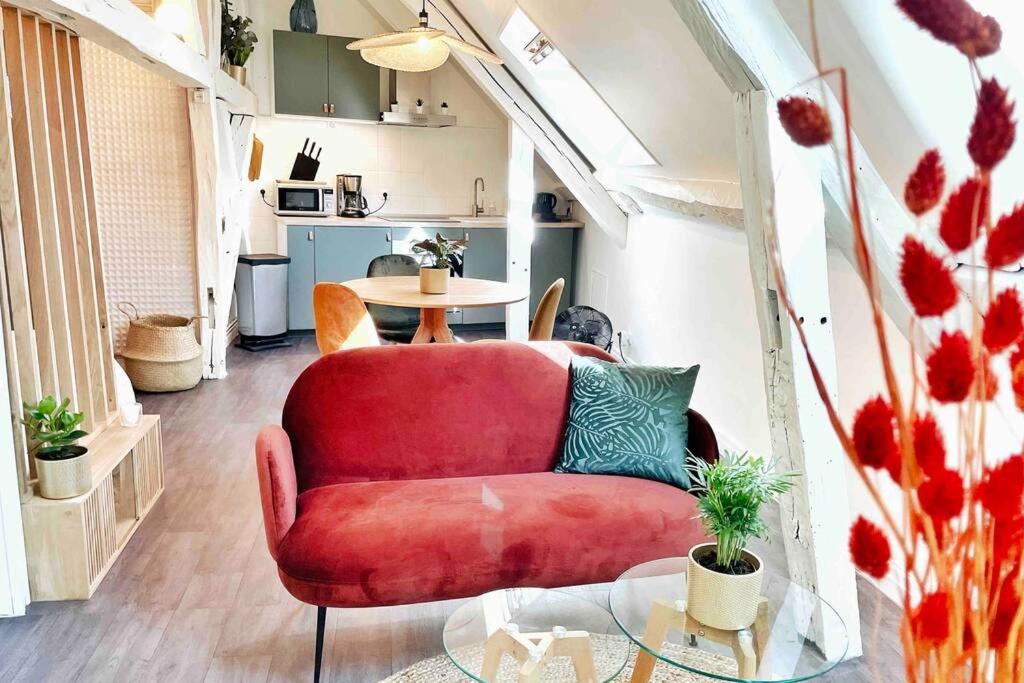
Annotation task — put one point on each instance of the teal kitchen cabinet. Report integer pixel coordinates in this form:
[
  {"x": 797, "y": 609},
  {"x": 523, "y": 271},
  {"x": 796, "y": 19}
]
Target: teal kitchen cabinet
[
  {"x": 301, "y": 277},
  {"x": 485, "y": 259},
  {"x": 345, "y": 253},
  {"x": 315, "y": 75},
  {"x": 552, "y": 256}
]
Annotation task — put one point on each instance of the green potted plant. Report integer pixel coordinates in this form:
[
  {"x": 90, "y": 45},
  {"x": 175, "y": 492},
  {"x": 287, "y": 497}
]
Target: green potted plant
[
  {"x": 441, "y": 256},
  {"x": 61, "y": 465},
  {"x": 724, "y": 578},
  {"x": 419, "y": 105},
  {"x": 236, "y": 41}
]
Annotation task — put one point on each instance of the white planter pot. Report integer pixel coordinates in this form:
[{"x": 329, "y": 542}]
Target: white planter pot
[
  {"x": 434, "y": 280},
  {"x": 60, "y": 479},
  {"x": 419, "y": 109},
  {"x": 724, "y": 601}
]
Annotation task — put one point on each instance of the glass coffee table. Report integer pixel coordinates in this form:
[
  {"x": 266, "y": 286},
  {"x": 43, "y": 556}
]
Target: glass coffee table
[
  {"x": 797, "y": 635},
  {"x": 532, "y": 635}
]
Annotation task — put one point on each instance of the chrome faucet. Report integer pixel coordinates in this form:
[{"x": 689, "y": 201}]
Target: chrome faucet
[{"x": 478, "y": 207}]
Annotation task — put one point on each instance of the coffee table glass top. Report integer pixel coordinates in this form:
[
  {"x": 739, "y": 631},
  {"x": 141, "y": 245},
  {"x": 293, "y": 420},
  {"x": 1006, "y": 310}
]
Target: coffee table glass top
[
  {"x": 799, "y": 637},
  {"x": 552, "y": 625}
]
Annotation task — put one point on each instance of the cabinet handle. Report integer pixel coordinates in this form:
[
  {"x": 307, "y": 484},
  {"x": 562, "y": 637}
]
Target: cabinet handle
[
  {"x": 325, "y": 107},
  {"x": 332, "y": 108},
  {"x": 309, "y": 236},
  {"x": 465, "y": 236},
  {"x": 387, "y": 237}
]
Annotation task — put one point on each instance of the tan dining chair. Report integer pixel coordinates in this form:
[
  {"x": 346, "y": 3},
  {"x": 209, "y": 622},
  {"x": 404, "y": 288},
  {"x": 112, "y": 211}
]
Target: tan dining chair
[
  {"x": 544, "y": 317},
  {"x": 342, "y": 321}
]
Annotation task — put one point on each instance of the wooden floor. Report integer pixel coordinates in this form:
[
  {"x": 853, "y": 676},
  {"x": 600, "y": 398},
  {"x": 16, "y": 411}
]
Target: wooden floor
[{"x": 195, "y": 595}]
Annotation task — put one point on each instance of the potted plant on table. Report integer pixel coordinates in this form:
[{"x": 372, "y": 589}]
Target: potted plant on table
[
  {"x": 236, "y": 41},
  {"x": 442, "y": 255},
  {"x": 419, "y": 105},
  {"x": 61, "y": 465},
  {"x": 724, "y": 578}
]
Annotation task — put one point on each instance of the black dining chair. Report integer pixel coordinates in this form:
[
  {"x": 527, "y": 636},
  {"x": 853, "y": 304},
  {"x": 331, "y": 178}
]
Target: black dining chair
[{"x": 394, "y": 323}]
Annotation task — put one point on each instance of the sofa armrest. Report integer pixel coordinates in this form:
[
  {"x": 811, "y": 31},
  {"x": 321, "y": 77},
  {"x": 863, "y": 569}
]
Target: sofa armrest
[
  {"x": 278, "y": 488},
  {"x": 703, "y": 443}
]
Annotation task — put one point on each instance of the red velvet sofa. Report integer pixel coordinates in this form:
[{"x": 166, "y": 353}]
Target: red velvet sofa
[{"x": 407, "y": 474}]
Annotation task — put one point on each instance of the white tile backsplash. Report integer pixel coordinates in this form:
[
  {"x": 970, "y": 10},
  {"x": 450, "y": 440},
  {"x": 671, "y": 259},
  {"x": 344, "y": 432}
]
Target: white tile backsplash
[{"x": 423, "y": 170}]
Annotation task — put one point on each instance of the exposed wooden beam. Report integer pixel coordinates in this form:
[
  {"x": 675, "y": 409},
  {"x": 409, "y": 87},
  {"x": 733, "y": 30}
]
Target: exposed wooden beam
[
  {"x": 520, "y": 228},
  {"x": 521, "y": 108},
  {"x": 752, "y": 48},
  {"x": 782, "y": 187},
  {"x": 125, "y": 29}
]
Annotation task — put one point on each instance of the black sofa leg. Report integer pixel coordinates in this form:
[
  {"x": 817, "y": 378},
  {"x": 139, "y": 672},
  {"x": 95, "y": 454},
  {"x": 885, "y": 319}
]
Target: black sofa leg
[{"x": 321, "y": 621}]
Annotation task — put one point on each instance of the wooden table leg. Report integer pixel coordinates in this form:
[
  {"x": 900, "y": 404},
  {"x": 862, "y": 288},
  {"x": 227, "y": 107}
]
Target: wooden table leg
[{"x": 433, "y": 327}]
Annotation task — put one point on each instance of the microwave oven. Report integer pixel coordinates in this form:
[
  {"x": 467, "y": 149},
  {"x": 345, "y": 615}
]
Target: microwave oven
[{"x": 298, "y": 198}]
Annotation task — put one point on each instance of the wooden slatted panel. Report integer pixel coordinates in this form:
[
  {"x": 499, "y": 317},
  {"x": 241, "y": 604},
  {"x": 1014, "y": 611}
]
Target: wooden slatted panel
[
  {"x": 47, "y": 224},
  {"x": 35, "y": 262},
  {"x": 22, "y": 360},
  {"x": 100, "y": 528},
  {"x": 149, "y": 469},
  {"x": 94, "y": 347},
  {"x": 94, "y": 226},
  {"x": 66, "y": 230}
]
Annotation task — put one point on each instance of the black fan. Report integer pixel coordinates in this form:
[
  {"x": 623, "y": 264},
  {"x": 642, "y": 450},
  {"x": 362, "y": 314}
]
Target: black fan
[{"x": 584, "y": 324}]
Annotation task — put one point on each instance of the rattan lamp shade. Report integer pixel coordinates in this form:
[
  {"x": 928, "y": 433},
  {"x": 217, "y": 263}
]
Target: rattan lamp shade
[{"x": 424, "y": 55}]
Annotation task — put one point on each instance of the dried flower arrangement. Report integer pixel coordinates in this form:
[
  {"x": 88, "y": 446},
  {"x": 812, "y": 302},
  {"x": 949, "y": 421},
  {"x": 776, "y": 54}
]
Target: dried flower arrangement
[{"x": 960, "y": 532}]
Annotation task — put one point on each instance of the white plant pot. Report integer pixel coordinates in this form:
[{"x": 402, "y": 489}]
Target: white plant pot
[
  {"x": 395, "y": 108},
  {"x": 724, "y": 601},
  {"x": 419, "y": 109},
  {"x": 59, "y": 479},
  {"x": 434, "y": 280}
]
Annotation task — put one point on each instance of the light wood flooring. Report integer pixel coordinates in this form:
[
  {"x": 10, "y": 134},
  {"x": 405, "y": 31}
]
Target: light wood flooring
[{"x": 195, "y": 595}]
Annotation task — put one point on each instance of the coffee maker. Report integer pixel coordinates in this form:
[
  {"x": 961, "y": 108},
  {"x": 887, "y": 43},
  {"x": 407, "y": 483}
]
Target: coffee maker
[{"x": 350, "y": 191}]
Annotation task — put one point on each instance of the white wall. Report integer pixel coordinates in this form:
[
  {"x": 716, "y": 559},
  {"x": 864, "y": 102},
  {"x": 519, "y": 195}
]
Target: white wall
[
  {"x": 683, "y": 291},
  {"x": 423, "y": 170}
]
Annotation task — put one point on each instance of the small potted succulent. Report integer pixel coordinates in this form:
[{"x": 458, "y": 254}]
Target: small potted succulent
[
  {"x": 724, "y": 578},
  {"x": 236, "y": 41},
  {"x": 444, "y": 108},
  {"x": 419, "y": 105},
  {"x": 61, "y": 465},
  {"x": 441, "y": 256}
]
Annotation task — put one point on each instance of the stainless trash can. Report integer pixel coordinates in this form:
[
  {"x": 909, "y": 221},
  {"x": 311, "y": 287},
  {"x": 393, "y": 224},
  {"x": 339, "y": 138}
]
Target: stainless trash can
[{"x": 261, "y": 293}]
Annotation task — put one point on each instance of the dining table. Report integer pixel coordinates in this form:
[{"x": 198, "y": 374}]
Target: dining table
[{"x": 463, "y": 292}]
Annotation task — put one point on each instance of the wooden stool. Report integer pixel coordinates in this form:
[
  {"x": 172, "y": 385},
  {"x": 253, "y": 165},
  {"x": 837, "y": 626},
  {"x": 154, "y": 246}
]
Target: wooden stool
[
  {"x": 747, "y": 644},
  {"x": 533, "y": 651}
]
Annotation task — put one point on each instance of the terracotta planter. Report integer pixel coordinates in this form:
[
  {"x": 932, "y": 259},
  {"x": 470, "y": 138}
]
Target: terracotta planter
[
  {"x": 434, "y": 280},
  {"x": 237, "y": 72},
  {"x": 67, "y": 478},
  {"x": 724, "y": 601}
]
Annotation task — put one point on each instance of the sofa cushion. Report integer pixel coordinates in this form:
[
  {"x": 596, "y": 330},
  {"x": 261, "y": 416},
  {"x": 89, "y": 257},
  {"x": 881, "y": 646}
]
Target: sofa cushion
[
  {"x": 399, "y": 542},
  {"x": 629, "y": 420}
]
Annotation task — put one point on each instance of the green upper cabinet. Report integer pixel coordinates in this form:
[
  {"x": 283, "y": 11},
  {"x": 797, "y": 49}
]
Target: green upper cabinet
[
  {"x": 354, "y": 83},
  {"x": 316, "y": 75},
  {"x": 301, "y": 75}
]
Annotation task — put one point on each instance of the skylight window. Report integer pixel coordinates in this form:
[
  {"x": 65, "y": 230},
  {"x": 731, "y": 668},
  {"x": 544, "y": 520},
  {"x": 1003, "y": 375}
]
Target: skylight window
[{"x": 573, "y": 104}]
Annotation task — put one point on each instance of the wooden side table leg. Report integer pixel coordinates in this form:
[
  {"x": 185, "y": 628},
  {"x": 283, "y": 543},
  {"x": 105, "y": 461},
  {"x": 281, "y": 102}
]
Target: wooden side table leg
[
  {"x": 743, "y": 648},
  {"x": 658, "y": 624},
  {"x": 496, "y": 645},
  {"x": 576, "y": 645}
]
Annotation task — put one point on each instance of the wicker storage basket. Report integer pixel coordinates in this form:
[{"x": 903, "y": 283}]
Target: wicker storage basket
[{"x": 161, "y": 353}]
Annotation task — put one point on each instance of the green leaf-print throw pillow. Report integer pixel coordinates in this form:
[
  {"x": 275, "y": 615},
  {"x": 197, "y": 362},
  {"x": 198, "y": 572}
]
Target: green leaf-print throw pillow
[{"x": 628, "y": 420}]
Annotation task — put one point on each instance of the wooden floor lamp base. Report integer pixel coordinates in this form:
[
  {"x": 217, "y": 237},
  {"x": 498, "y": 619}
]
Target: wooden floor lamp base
[
  {"x": 747, "y": 644},
  {"x": 433, "y": 327},
  {"x": 533, "y": 651}
]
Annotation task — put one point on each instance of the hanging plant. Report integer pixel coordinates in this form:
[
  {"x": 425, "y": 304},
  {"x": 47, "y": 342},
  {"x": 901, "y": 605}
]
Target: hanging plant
[{"x": 236, "y": 39}]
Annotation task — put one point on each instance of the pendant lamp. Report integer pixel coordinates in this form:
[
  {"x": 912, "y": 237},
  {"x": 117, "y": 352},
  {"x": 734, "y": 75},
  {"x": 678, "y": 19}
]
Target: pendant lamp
[{"x": 420, "y": 48}]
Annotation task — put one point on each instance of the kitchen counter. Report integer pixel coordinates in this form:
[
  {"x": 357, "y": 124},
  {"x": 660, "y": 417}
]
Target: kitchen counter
[{"x": 414, "y": 222}]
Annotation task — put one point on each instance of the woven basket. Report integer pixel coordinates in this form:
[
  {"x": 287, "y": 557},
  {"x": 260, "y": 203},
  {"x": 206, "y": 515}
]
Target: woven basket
[{"x": 161, "y": 353}]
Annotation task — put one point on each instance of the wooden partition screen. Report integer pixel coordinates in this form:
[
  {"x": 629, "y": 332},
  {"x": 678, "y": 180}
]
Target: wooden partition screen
[{"x": 53, "y": 301}]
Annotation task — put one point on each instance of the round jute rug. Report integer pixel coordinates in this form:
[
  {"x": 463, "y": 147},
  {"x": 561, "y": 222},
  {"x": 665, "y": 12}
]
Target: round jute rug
[{"x": 440, "y": 669}]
